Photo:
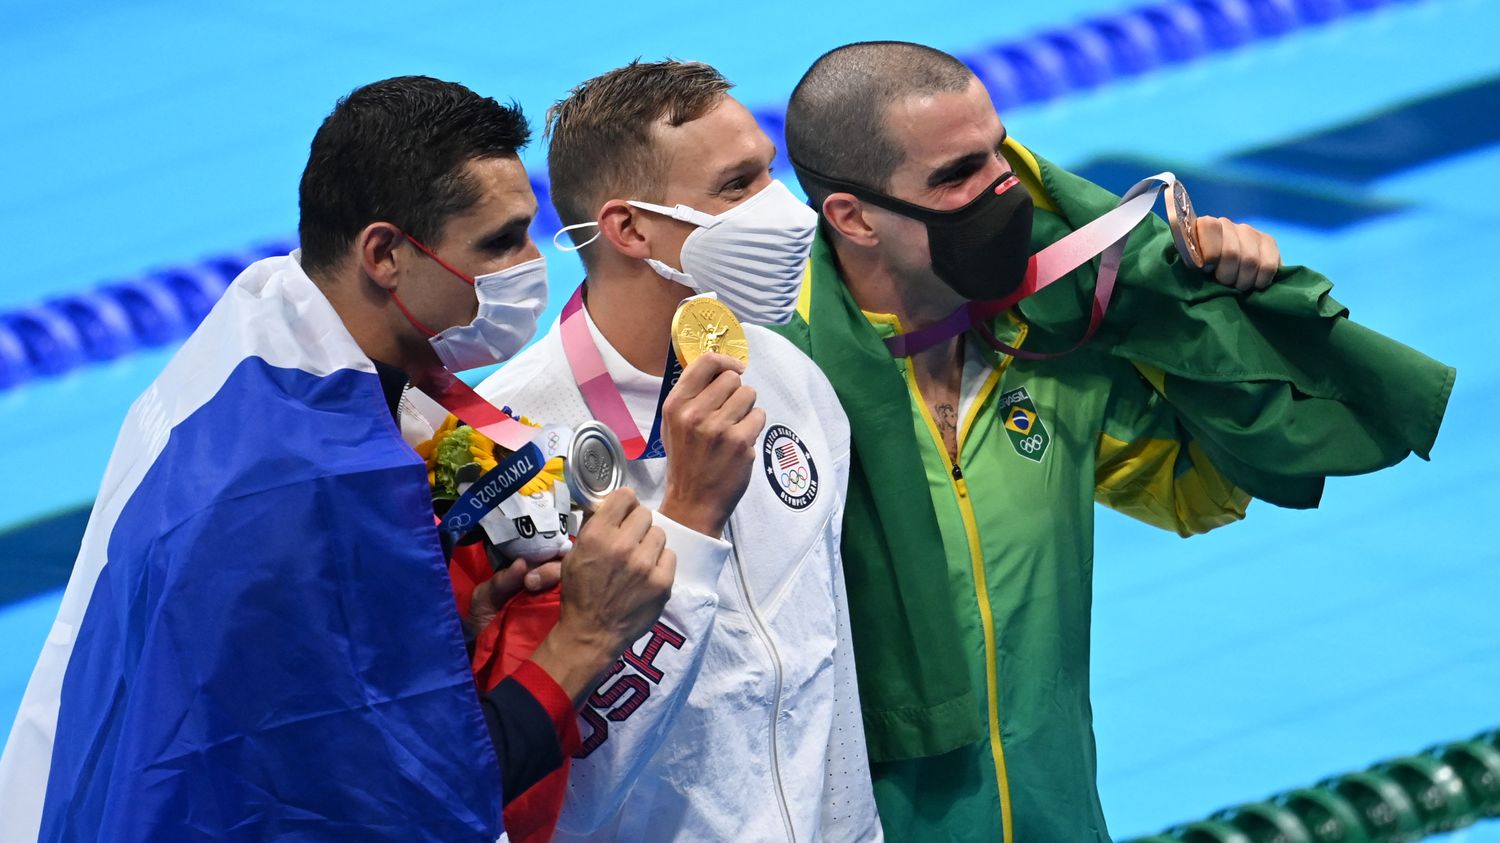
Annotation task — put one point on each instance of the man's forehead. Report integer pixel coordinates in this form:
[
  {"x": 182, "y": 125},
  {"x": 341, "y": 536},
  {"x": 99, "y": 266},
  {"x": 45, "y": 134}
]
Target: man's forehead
[
  {"x": 504, "y": 189},
  {"x": 933, "y": 128},
  {"x": 499, "y": 175},
  {"x": 727, "y": 132}
]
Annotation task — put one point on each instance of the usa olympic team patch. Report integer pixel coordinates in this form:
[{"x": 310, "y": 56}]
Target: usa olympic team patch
[{"x": 789, "y": 467}]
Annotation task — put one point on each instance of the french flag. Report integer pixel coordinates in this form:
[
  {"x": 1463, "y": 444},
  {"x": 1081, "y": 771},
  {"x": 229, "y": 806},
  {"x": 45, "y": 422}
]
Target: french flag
[{"x": 259, "y": 640}]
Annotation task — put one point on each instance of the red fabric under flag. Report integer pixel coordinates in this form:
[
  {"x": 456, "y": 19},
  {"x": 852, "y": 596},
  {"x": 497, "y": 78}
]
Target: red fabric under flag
[{"x": 503, "y": 647}]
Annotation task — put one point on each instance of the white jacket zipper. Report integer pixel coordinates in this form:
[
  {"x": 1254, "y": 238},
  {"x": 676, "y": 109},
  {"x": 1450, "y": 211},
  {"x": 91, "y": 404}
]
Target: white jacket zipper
[{"x": 765, "y": 638}]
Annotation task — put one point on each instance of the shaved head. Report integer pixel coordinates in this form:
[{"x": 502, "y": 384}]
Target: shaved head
[{"x": 836, "y": 120}]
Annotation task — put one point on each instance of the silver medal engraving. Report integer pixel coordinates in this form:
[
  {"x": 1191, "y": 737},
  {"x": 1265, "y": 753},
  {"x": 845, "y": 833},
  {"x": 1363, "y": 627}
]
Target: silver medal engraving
[{"x": 595, "y": 464}]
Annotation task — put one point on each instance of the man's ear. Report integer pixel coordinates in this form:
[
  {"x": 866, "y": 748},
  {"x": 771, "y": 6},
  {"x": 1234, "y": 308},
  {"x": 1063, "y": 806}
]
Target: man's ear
[
  {"x": 846, "y": 215},
  {"x": 376, "y": 245},
  {"x": 617, "y": 224}
]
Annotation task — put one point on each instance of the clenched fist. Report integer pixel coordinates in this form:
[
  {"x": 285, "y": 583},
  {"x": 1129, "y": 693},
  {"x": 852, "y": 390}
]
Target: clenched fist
[{"x": 1242, "y": 257}]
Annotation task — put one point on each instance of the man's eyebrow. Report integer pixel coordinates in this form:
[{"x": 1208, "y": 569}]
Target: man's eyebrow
[
  {"x": 963, "y": 165},
  {"x": 751, "y": 162},
  {"x": 519, "y": 221}
]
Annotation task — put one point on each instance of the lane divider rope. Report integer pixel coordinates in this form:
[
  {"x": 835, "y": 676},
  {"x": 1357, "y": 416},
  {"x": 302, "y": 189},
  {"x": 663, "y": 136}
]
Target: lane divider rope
[{"x": 119, "y": 317}]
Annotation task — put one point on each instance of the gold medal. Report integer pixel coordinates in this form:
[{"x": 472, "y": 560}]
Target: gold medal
[{"x": 703, "y": 326}]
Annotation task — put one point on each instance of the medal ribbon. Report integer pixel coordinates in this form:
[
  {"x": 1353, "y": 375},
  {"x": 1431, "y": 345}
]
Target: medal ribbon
[
  {"x": 1106, "y": 235},
  {"x": 491, "y": 490},
  {"x": 599, "y": 391},
  {"x": 502, "y": 481}
]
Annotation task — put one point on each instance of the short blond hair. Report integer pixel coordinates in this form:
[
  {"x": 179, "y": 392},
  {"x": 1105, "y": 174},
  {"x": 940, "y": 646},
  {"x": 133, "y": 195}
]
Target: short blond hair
[{"x": 600, "y": 133}]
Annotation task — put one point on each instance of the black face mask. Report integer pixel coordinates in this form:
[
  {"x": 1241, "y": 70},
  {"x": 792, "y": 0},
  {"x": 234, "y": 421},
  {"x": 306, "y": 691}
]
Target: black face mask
[{"x": 981, "y": 250}]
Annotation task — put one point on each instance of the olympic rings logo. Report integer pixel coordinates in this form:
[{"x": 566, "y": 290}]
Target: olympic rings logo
[
  {"x": 1032, "y": 443},
  {"x": 795, "y": 479}
]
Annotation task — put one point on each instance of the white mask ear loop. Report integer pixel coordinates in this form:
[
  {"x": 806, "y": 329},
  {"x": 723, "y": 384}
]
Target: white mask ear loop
[
  {"x": 677, "y": 212},
  {"x": 567, "y": 228}
]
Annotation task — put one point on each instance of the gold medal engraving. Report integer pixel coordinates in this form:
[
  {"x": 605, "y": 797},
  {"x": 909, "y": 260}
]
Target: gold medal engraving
[{"x": 704, "y": 326}]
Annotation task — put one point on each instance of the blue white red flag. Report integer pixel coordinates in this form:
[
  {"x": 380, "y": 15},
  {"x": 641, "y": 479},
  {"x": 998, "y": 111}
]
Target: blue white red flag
[{"x": 259, "y": 640}]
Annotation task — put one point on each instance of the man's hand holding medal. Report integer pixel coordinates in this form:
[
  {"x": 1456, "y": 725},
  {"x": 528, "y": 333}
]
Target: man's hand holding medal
[{"x": 710, "y": 424}]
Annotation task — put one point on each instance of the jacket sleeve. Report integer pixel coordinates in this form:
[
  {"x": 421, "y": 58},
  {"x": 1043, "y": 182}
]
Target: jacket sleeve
[
  {"x": 848, "y": 803},
  {"x": 631, "y": 713},
  {"x": 532, "y": 725},
  {"x": 1147, "y": 465},
  {"x": 1279, "y": 387}
]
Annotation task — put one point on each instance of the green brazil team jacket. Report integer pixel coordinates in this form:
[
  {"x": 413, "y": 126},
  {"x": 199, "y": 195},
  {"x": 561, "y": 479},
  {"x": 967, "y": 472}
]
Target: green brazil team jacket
[{"x": 970, "y": 581}]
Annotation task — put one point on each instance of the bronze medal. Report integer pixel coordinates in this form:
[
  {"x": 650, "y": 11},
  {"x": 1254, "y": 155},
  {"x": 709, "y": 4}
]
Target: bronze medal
[{"x": 1184, "y": 225}]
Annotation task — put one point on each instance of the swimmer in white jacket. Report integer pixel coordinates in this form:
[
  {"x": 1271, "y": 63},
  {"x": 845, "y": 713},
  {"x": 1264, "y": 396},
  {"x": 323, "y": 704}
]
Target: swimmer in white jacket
[{"x": 738, "y": 717}]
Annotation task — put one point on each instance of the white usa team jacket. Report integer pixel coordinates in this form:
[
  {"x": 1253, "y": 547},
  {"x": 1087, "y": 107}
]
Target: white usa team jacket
[{"x": 737, "y": 718}]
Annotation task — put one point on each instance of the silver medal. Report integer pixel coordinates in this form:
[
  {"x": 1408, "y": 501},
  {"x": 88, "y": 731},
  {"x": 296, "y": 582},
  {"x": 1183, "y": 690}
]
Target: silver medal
[{"x": 595, "y": 464}]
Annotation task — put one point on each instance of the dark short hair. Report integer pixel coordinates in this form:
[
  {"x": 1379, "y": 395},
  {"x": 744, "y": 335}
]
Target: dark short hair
[
  {"x": 600, "y": 134},
  {"x": 396, "y": 151},
  {"x": 835, "y": 121}
]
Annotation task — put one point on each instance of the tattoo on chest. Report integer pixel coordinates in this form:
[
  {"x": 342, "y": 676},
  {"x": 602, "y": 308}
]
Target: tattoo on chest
[{"x": 946, "y": 418}]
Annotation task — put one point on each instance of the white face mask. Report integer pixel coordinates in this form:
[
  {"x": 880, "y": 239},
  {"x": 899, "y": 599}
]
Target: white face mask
[
  {"x": 509, "y": 303},
  {"x": 752, "y": 255}
]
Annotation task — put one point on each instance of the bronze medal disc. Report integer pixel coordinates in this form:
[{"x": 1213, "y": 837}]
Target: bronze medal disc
[
  {"x": 703, "y": 326},
  {"x": 1184, "y": 225}
]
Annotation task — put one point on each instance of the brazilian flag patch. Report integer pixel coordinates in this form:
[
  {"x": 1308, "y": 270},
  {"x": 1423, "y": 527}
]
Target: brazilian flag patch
[{"x": 1028, "y": 435}]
